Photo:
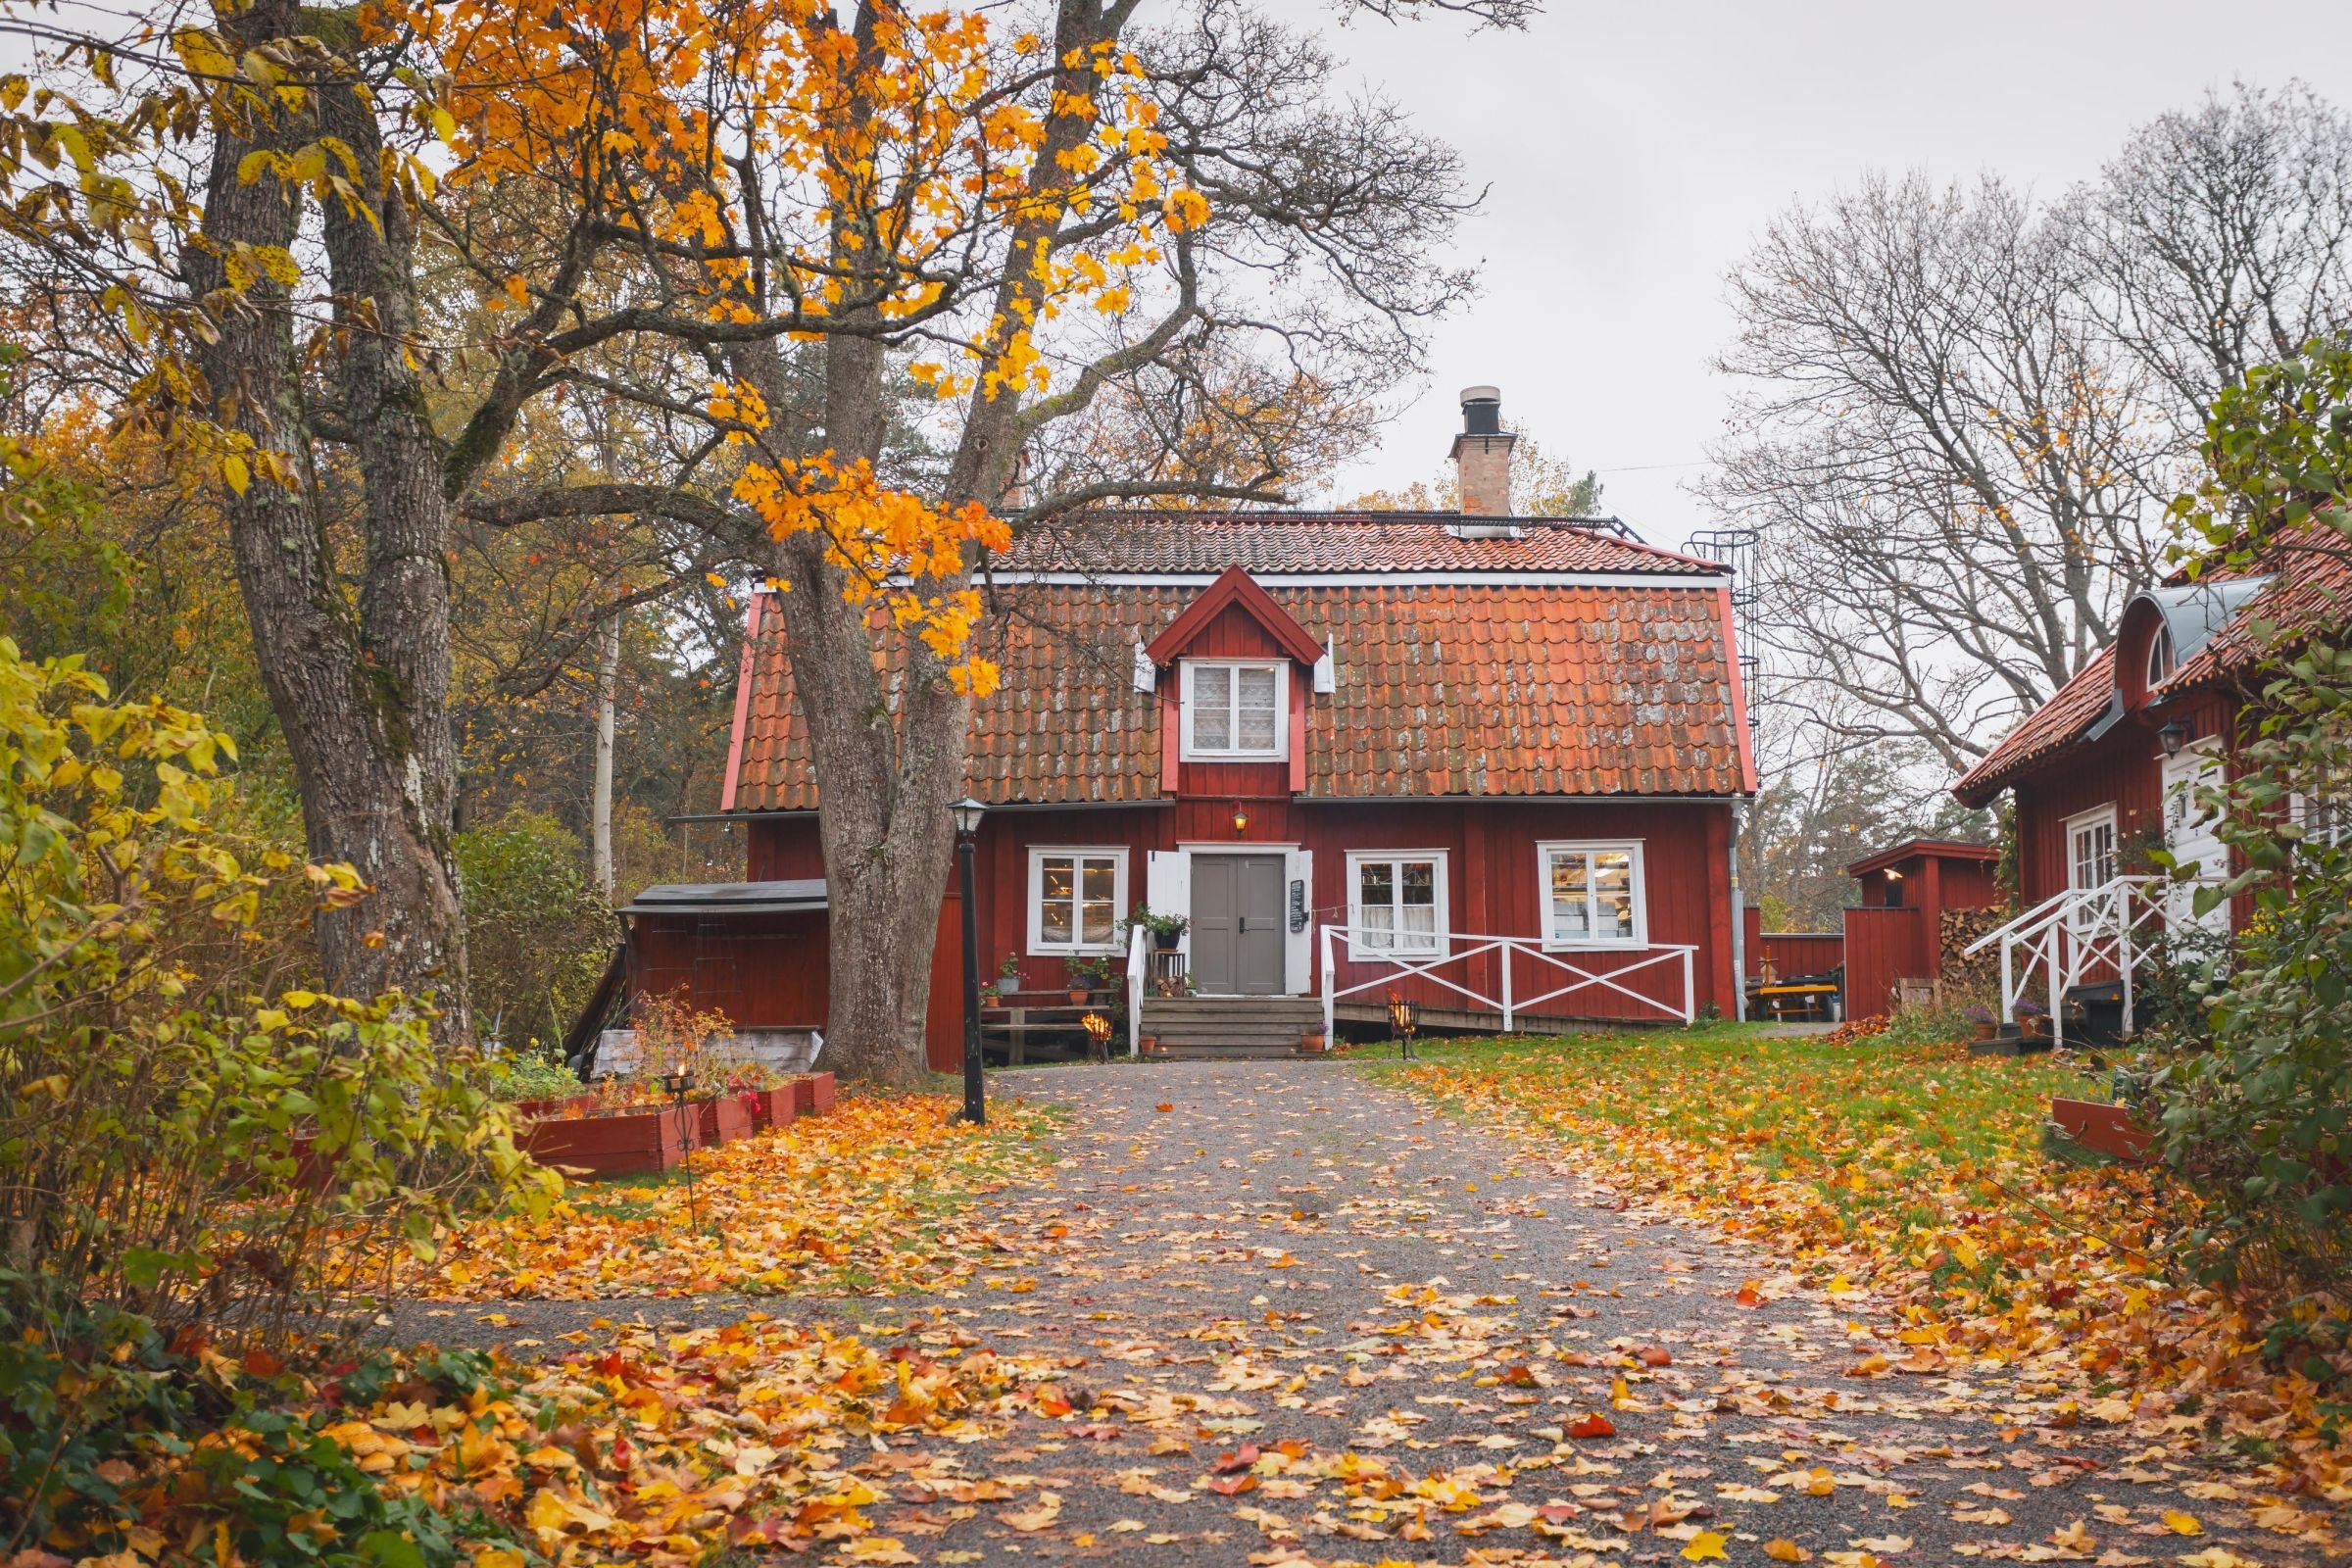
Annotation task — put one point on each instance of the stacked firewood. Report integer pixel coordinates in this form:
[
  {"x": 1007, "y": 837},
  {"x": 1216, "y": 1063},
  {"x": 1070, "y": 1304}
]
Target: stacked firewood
[{"x": 1961, "y": 973}]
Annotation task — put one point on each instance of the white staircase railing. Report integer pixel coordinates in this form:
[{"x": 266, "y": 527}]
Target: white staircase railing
[
  {"x": 2065, "y": 939},
  {"x": 1523, "y": 960},
  {"x": 1137, "y": 964}
]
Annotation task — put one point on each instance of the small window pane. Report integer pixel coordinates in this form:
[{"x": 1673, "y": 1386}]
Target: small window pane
[
  {"x": 1102, "y": 878},
  {"x": 1571, "y": 916},
  {"x": 1212, "y": 708},
  {"x": 1057, "y": 878},
  {"x": 1420, "y": 882},
  {"x": 1613, "y": 892},
  {"x": 1099, "y": 921},
  {"x": 1053, "y": 924},
  {"x": 1256, "y": 730}
]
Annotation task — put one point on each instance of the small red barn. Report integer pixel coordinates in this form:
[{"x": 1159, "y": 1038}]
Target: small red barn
[{"x": 1488, "y": 763}]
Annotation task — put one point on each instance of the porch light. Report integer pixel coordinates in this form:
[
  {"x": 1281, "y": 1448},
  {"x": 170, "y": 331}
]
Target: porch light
[
  {"x": 2173, "y": 737},
  {"x": 1241, "y": 822},
  {"x": 968, "y": 813}
]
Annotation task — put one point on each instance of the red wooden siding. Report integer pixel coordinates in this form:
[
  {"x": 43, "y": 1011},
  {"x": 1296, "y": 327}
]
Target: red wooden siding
[
  {"x": 1492, "y": 881},
  {"x": 1882, "y": 946},
  {"x": 2120, "y": 767},
  {"x": 761, "y": 971}
]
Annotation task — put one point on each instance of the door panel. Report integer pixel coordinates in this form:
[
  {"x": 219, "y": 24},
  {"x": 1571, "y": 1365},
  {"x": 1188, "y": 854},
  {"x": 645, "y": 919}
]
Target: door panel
[
  {"x": 1258, "y": 939},
  {"x": 1239, "y": 931},
  {"x": 1213, "y": 921}
]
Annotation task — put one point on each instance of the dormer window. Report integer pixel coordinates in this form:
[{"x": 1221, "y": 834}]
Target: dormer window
[
  {"x": 1236, "y": 709},
  {"x": 2161, "y": 658}
]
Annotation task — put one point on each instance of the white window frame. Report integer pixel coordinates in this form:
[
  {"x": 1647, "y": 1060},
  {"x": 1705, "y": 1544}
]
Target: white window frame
[
  {"x": 2087, "y": 821},
  {"x": 1039, "y": 854},
  {"x": 2162, "y": 660},
  {"x": 1423, "y": 947},
  {"x": 1191, "y": 751},
  {"x": 1632, "y": 849}
]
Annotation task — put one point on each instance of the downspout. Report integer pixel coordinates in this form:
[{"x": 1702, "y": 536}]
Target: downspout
[{"x": 1739, "y": 921}]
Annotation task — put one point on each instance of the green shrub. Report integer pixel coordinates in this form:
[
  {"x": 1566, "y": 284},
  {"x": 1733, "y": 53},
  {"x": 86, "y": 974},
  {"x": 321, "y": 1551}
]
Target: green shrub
[
  {"x": 172, "y": 1143},
  {"x": 537, "y": 931}
]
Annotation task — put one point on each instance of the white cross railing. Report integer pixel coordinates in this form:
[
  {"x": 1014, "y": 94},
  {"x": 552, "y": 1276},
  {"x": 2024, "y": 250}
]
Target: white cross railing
[
  {"x": 2067, "y": 937},
  {"x": 1517, "y": 954}
]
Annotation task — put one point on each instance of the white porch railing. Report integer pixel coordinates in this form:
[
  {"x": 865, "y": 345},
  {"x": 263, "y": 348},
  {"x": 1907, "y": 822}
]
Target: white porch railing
[
  {"x": 1525, "y": 964},
  {"x": 1137, "y": 964},
  {"x": 2065, "y": 939}
]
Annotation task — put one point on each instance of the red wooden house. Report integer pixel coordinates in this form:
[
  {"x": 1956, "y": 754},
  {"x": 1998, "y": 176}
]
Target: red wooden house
[
  {"x": 2108, "y": 768},
  {"x": 1489, "y": 763}
]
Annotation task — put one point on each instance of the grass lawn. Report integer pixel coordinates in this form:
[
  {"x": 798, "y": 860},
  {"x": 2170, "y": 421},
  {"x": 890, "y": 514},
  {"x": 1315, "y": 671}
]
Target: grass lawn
[{"x": 1871, "y": 1158}]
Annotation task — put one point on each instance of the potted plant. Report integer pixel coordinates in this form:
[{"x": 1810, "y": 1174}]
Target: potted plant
[
  {"x": 1312, "y": 1042},
  {"x": 1087, "y": 976},
  {"x": 1982, "y": 1017},
  {"x": 2032, "y": 1019},
  {"x": 1167, "y": 930}
]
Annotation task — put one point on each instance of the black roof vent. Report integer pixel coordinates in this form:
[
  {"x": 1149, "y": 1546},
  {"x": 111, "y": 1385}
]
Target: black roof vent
[{"x": 1481, "y": 411}]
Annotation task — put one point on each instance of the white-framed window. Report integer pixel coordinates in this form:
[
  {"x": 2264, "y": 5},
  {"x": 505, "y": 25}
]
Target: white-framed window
[
  {"x": 1075, "y": 898},
  {"x": 1593, "y": 895},
  {"x": 1397, "y": 899},
  {"x": 2090, "y": 849},
  {"x": 2161, "y": 657},
  {"x": 1236, "y": 709}
]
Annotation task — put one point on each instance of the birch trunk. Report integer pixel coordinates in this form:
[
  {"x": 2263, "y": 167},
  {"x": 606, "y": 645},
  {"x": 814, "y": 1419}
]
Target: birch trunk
[{"x": 599, "y": 803}]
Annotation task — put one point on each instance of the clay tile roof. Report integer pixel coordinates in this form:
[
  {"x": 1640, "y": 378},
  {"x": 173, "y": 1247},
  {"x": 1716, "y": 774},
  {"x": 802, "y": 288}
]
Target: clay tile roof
[
  {"x": 1280, "y": 542},
  {"x": 2312, "y": 588},
  {"x": 2056, "y": 723},
  {"x": 1456, "y": 688}
]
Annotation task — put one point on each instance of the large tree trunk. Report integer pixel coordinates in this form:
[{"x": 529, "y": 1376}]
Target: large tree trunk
[{"x": 362, "y": 696}]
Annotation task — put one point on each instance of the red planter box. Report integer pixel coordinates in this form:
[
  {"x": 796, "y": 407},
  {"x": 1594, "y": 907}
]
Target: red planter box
[
  {"x": 768, "y": 1107},
  {"x": 615, "y": 1146},
  {"x": 724, "y": 1118},
  {"x": 812, "y": 1093},
  {"x": 2103, "y": 1129},
  {"x": 541, "y": 1109}
]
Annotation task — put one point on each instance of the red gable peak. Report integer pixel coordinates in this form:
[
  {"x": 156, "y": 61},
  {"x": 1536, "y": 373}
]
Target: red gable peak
[{"x": 1238, "y": 589}]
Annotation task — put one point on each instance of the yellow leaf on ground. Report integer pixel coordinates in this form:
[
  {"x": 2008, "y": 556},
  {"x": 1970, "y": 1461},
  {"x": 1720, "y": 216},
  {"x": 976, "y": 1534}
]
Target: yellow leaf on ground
[
  {"x": 2181, "y": 1524},
  {"x": 1706, "y": 1543},
  {"x": 1786, "y": 1550}
]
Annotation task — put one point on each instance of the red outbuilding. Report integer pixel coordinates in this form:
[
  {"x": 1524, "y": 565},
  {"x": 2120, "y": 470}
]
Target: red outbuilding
[{"x": 2109, "y": 767}]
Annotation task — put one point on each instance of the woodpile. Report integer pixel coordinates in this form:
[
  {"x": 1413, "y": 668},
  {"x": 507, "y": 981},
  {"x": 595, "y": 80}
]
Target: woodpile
[{"x": 1979, "y": 975}]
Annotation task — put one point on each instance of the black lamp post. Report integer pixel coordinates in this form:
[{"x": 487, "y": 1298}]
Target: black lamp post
[
  {"x": 679, "y": 1083},
  {"x": 968, "y": 813},
  {"x": 2173, "y": 737}
]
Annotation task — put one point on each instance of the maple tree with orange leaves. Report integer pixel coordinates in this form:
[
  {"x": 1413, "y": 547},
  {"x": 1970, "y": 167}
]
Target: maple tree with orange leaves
[{"x": 333, "y": 259}]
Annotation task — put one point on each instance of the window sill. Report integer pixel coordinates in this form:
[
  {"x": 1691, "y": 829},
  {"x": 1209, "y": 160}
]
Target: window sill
[
  {"x": 1109, "y": 951},
  {"x": 1233, "y": 756}
]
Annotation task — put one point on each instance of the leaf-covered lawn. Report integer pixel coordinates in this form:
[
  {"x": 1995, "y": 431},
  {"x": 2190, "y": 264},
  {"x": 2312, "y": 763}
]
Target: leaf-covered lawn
[
  {"x": 876, "y": 1195},
  {"x": 1918, "y": 1173}
]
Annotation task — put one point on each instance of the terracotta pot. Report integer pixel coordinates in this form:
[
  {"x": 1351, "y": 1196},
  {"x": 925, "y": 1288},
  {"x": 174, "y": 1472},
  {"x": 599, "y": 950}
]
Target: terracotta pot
[
  {"x": 1312, "y": 1042},
  {"x": 1148, "y": 1045},
  {"x": 1985, "y": 1031},
  {"x": 1079, "y": 996}
]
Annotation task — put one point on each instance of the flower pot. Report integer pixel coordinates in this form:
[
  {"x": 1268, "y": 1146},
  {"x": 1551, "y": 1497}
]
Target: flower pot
[
  {"x": 1148, "y": 1045},
  {"x": 1166, "y": 941},
  {"x": 1079, "y": 996},
  {"x": 1987, "y": 1030},
  {"x": 1312, "y": 1042}
]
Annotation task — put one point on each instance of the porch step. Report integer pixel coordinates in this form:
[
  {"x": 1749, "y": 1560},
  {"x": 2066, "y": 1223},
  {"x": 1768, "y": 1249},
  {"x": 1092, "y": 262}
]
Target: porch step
[
  {"x": 1230, "y": 1026},
  {"x": 2011, "y": 1041}
]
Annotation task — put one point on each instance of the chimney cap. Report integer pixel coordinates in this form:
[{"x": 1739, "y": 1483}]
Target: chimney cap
[{"x": 1480, "y": 394}]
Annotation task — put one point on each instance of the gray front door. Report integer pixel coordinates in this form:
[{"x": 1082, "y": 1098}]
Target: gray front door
[{"x": 1237, "y": 925}]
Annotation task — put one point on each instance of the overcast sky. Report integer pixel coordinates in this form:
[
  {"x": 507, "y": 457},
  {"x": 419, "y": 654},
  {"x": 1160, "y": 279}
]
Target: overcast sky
[{"x": 1632, "y": 150}]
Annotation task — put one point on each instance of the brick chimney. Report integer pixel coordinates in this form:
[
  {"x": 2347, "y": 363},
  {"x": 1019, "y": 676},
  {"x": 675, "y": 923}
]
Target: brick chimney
[{"x": 1482, "y": 461}]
